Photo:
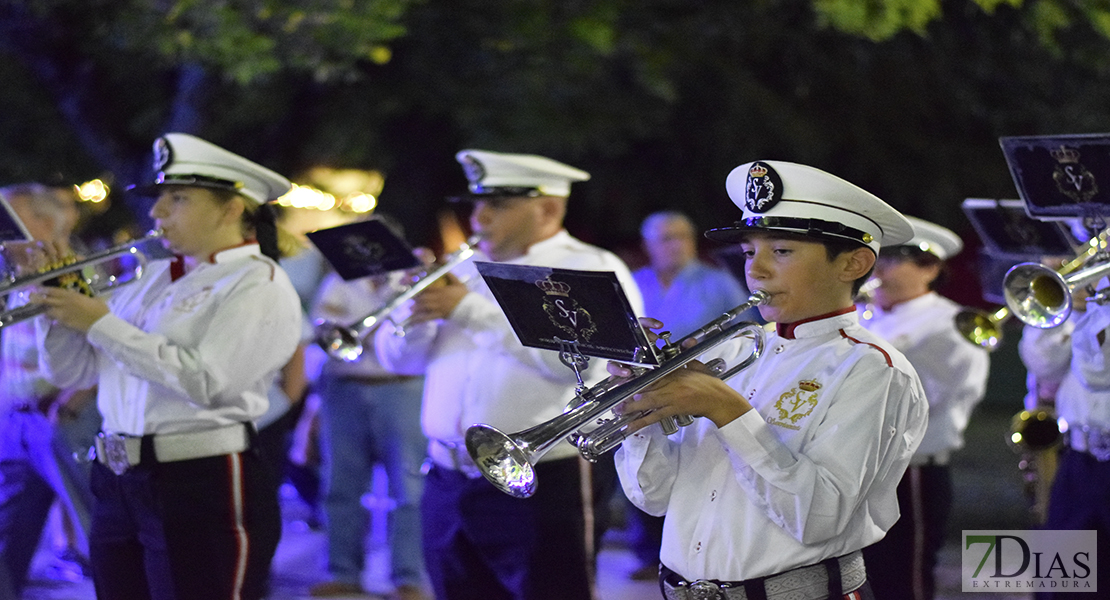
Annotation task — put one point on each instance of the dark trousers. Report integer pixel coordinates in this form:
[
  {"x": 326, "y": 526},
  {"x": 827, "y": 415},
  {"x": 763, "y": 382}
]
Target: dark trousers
[
  {"x": 646, "y": 535},
  {"x": 756, "y": 589},
  {"x": 482, "y": 544},
  {"x": 901, "y": 566},
  {"x": 201, "y": 529},
  {"x": 1080, "y": 499}
]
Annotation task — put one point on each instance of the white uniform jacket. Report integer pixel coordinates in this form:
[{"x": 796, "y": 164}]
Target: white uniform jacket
[
  {"x": 1076, "y": 355},
  {"x": 476, "y": 369},
  {"x": 185, "y": 355},
  {"x": 953, "y": 370},
  {"x": 809, "y": 474}
]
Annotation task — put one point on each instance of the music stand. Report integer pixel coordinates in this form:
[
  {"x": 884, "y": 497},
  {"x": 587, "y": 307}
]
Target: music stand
[
  {"x": 580, "y": 313},
  {"x": 364, "y": 249},
  {"x": 1061, "y": 176},
  {"x": 1007, "y": 230}
]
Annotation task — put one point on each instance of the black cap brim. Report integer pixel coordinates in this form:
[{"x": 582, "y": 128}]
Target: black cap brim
[
  {"x": 807, "y": 228},
  {"x": 154, "y": 189},
  {"x": 496, "y": 193}
]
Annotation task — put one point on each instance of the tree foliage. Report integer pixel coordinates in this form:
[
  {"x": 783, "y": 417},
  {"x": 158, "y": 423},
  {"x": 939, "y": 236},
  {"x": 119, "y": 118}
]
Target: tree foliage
[{"x": 657, "y": 98}]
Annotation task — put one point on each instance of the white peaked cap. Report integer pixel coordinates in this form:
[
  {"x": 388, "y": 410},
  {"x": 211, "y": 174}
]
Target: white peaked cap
[
  {"x": 501, "y": 174},
  {"x": 793, "y": 198},
  {"x": 183, "y": 159},
  {"x": 934, "y": 239}
]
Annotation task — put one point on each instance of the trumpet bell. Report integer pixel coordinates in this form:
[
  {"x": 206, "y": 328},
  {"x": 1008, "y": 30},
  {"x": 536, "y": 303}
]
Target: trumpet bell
[
  {"x": 339, "y": 341},
  {"x": 1038, "y": 295},
  {"x": 505, "y": 462},
  {"x": 1035, "y": 430},
  {"x": 979, "y": 329}
]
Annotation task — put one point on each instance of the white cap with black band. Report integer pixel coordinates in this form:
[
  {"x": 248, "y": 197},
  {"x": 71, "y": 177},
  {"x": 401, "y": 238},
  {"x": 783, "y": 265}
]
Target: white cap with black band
[
  {"x": 183, "y": 159},
  {"x": 934, "y": 239},
  {"x": 493, "y": 174},
  {"x": 798, "y": 199}
]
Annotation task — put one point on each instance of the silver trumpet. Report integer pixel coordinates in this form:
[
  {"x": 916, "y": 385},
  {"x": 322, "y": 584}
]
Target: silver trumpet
[
  {"x": 345, "y": 341},
  {"x": 508, "y": 461},
  {"x": 1042, "y": 297},
  {"x": 71, "y": 275}
]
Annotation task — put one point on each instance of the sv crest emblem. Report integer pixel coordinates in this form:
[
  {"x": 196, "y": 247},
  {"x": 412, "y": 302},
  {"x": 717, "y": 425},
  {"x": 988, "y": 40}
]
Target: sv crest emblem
[
  {"x": 565, "y": 312},
  {"x": 795, "y": 405}
]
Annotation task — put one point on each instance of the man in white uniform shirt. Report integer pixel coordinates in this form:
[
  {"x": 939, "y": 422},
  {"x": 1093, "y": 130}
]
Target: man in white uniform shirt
[
  {"x": 478, "y": 542},
  {"x": 1076, "y": 355},
  {"x": 908, "y": 313},
  {"x": 793, "y": 469}
]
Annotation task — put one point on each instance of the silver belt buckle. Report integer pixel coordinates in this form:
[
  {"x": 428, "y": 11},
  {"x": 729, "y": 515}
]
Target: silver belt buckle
[
  {"x": 115, "y": 448},
  {"x": 704, "y": 590}
]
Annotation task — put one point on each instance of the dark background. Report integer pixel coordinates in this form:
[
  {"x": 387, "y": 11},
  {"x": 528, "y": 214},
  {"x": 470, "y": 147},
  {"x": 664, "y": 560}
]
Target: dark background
[{"x": 657, "y": 99}]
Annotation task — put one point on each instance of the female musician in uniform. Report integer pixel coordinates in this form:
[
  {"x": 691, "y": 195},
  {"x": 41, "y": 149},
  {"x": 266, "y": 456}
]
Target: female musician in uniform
[{"x": 183, "y": 359}]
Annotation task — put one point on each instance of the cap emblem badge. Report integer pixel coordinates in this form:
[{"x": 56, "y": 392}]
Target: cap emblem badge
[
  {"x": 474, "y": 170},
  {"x": 763, "y": 188},
  {"x": 163, "y": 154}
]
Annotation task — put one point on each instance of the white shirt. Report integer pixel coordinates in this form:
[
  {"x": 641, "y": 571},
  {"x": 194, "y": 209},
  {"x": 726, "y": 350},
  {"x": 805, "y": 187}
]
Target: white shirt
[
  {"x": 476, "y": 369},
  {"x": 185, "y": 355},
  {"x": 953, "y": 370},
  {"x": 1073, "y": 355},
  {"x": 810, "y": 473}
]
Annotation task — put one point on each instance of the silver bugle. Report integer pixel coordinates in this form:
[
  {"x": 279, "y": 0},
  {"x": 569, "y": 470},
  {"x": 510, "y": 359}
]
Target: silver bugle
[
  {"x": 345, "y": 341},
  {"x": 507, "y": 461},
  {"x": 74, "y": 268},
  {"x": 1042, "y": 297}
]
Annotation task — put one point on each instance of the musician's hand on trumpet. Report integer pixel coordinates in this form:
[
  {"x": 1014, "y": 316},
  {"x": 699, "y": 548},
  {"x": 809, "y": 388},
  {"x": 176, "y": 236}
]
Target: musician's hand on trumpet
[
  {"x": 693, "y": 390},
  {"x": 438, "y": 301},
  {"x": 68, "y": 300},
  {"x": 70, "y": 308},
  {"x": 36, "y": 256}
]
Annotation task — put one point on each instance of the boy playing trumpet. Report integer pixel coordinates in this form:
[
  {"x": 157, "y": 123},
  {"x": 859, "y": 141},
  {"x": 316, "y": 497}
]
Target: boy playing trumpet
[{"x": 795, "y": 466}]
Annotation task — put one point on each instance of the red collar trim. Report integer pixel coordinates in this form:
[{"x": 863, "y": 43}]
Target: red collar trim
[
  {"x": 786, "y": 330},
  {"x": 177, "y": 267}
]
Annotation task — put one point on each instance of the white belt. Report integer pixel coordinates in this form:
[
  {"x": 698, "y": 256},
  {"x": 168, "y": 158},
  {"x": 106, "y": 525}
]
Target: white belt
[
  {"x": 121, "y": 452},
  {"x": 803, "y": 583},
  {"x": 453, "y": 456}
]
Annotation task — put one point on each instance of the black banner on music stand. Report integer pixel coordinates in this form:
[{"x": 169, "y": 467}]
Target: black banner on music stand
[
  {"x": 364, "y": 249},
  {"x": 586, "y": 312},
  {"x": 1061, "y": 176},
  {"x": 1006, "y": 229}
]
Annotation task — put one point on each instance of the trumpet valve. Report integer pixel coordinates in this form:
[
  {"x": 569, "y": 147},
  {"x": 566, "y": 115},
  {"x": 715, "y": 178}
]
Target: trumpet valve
[{"x": 669, "y": 425}]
